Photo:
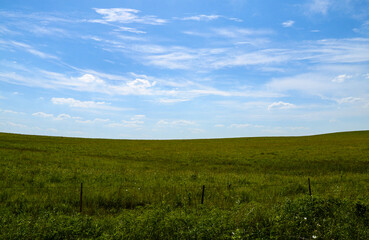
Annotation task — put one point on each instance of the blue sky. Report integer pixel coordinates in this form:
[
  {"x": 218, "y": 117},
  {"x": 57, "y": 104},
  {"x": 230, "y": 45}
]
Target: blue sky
[{"x": 183, "y": 69}]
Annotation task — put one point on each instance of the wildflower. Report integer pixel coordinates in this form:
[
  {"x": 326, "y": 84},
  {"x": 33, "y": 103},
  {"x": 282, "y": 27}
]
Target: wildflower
[{"x": 314, "y": 236}]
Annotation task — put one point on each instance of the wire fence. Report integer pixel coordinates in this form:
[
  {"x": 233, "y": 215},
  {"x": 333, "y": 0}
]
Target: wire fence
[{"x": 90, "y": 197}]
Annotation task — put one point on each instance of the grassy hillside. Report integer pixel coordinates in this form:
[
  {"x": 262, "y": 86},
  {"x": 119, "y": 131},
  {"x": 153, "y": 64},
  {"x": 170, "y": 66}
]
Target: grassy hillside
[{"x": 135, "y": 178}]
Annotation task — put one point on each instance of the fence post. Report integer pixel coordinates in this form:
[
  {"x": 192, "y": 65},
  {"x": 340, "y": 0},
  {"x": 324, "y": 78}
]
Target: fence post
[
  {"x": 203, "y": 193},
  {"x": 80, "y": 198},
  {"x": 309, "y": 187}
]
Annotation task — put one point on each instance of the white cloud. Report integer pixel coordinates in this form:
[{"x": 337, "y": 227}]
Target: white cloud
[
  {"x": 243, "y": 125},
  {"x": 206, "y": 59},
  {"x": 42, "y": 30},
  {"x": 65, "y": 116},
  {"x": 89, "y": 78},
  {"x": 87, "y": 81},
  {"x": 42, "y": 114},
  {"x": 363, "y": 29},
  {"x": 348, "y": 100},
  {"x": 202, "y": 17},
  {"x": 196, "y": 130},
  {"x": 140, "y": 83},
  {"x": 129, "y": 29},
  {"x": 174, "y": 60},
  {"x": 233, "y": 32},
  {"x": 288, "y": 23},
  {"x": 125, "y": 15},
  {"x": 135, "y": 121},
  {"x": 138, "y": 117},
  {"x": 355, "y": 50},
  {"x": 42, "y": 17},
  {"x": 130, "y": 38},
  {"x": 96, "y": 120},
  {"x": 219, "y": 125},
  {"x": 10, "y": 111},
  {"x": 281, "y": 105},
  {"x": 28, "y": 48},
  {"x": 269, "y": 56},
  {"x": 175, "y": 123},
  {"x": 18, "y": 125},
  {"x": 132, "y": 123},
  {"x": 341, "y": 78},
  {"x": 91, "y": 81},
  {"x": 312, "y": 83},
  {"x": 172, "y": 100},
  {"x": 74, "y": 103},
  {"x": 319, "y": 82},
  {"x": 319, "y": 6},
  {"x": 4, "y": 30},
  {"x": 59, "y": 117}
]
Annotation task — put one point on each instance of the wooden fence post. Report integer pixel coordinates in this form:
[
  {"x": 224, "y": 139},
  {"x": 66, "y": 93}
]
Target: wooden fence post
[
  {"x": 309, "y": 187},
  {"x": 203, "y": 193},
  {"x": 80, "y": 198}
]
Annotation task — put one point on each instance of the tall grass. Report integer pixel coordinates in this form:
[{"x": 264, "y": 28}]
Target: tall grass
[{"x": 162, "y": 181}]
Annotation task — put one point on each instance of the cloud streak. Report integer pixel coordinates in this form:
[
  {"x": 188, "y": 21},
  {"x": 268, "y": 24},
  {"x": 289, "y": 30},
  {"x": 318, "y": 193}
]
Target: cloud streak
[
  {"x": 281, "y": 105},
  {"x": 28, "y": 48},
  {"x": 288, "y": 23},
  {"x": 74, "y": 103},
  {"x": 125, "y": 15},
  {"x": 60, "y": 117}
]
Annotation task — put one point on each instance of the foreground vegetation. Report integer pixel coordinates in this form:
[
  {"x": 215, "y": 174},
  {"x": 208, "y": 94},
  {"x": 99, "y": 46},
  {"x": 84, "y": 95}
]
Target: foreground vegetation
[{"x": 255, "y": 188}]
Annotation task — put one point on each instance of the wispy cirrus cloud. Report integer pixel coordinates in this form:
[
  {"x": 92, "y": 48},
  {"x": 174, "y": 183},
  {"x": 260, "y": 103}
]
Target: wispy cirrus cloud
[
  {"x": 341, "y": 78},
  {"x": 172, "y": 100},
  {"x": 7, "y": 111},
  {"x": 60, "y": 117},
  {"x": 39, "y": 16},
  {"x": 129, "y": 29},
  {"x": 5, "y": 30},
  {"x": 136, "y": 121},
  {"x": 240, "y": 125},
  {"x": 201, "y": 17},
  {"x": 16, "y": 125},
  {"x": 323, "y": 51},
  {"x": 85, "y": 82},
  {"x": 244, "y": 125},
  {"x": 126, "y": 15},
  {"x": 47, "y": 30},
  {"x": 234, "y": 32},
  {"x": 64, "y": 117},
  {"x": 288, "y": 23},
  {"x": 281, "y": 105},
  {"x": 94, "y": 121},
  {"x": 211, "y": 17},
  {"x": 363, "y": 29},
  {"x": 175, "y": 123},
  {"x": 74, "y": 103},
  {"x": 349, "y": 100},
  {"x": 318, "y": 6},
  {"x": 28, "y": 48},
  {"x": 168, "y": 90}
]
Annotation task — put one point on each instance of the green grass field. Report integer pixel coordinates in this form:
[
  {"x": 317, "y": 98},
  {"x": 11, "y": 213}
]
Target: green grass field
[{"x": 255, "y": 188}]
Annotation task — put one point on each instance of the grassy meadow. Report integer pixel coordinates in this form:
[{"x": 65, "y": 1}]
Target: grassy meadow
[{"x": 255, "y": 188}]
